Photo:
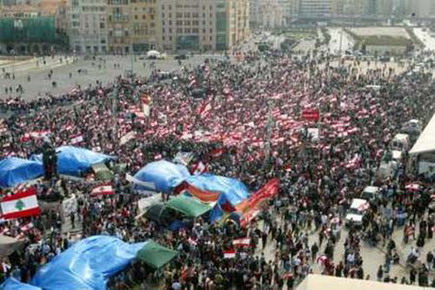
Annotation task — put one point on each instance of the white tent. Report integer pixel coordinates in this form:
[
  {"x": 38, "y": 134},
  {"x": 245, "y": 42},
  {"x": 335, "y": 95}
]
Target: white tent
[
  {"x": 322, "y": 282},
  {"x": 426, "y": 141}
]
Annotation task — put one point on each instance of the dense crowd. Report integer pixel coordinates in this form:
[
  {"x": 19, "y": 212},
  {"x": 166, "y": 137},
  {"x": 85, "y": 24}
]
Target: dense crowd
[{"x": 251, "y": 111}]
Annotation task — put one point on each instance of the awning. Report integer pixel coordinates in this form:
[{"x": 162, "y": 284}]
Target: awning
[
  {"x": 155, "y": 255},
  {"x": 8, "y": 245},
  {"x": 188, "y": 206},
  {"x": 426, "y": 141}
]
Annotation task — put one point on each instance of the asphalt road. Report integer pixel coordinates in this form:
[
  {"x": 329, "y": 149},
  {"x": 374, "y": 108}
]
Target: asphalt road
[{"x": 103, "y": 70}]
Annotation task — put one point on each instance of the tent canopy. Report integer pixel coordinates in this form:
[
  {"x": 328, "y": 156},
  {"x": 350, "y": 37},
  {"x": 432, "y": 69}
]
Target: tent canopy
[
  {"x": 188, "y": 206},
  {"x": 74, "y": 160},
  {"x": 426, "y": 141},
  {"x": 155, "y": 255},
  {"x": 8, "y": 245},
  {"x": 14, "y": 171},
  {"x": 163, "y": 174},
  {"x": 232, "y": 190},
  {"x": 13, "y": 284},
  {"x": 87, "y": 264},
  {"x": 158, "y": 213}
]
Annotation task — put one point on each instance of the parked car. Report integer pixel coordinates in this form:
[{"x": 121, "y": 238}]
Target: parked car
[
  {"x": 371, "y": 193},
  {"x": 356, "y": 212}
]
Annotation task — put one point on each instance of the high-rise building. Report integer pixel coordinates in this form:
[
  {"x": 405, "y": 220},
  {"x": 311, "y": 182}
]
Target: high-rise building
[
  {"x": 118, "y": 26},
  {"x": 202, "y": 25},
  {"x": 315, "y": 9},
  {"x": 143, "y": 23},
  {"x": 87, "y": 27}
]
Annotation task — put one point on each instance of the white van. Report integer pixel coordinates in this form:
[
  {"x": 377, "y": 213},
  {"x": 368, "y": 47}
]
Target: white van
[
  {"x": 356, "y": 211},
  {"x": 370, "y": 193},
  {"x": 400, "y": 142}
]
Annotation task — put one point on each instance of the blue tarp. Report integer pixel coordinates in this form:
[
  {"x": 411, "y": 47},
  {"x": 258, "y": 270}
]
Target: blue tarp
[
  {"x": 13, "y": 284},
  {"x": 163, "y": 174},
  {"x": 233, "y": 190},
  {"x": 14, "y": 171},
  {"x": 87, "y": 264},
  {"x": 75, "y": 161}
]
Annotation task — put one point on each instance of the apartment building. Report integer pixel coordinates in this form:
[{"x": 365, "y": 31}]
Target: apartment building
[
  {"x": 143, "y": 25},
  {"x": 315, "y": 9},
  {"x": 202, "y": 25},
  {"x": 87, "y": 26}
]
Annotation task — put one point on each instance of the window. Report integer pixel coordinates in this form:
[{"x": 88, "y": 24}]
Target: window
[{"x": 102, "y": 25}]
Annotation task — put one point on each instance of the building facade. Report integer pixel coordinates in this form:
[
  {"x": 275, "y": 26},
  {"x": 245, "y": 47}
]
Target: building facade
[
  {"x": 143, "y": 25},
  {"x": 202, "y": 25},
  {"x": 87, "y": 26},
  {"x": 315, "y": 9}
]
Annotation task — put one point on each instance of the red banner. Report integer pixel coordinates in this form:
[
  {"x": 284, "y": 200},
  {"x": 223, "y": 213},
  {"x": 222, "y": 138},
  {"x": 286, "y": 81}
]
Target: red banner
[
  {"x": 311, "y": 115},
  {"x": 267, "y": 191}
]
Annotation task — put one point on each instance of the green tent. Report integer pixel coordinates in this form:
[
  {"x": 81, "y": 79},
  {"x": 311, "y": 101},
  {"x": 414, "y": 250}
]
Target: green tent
[
  {"x": 188, "y": 206},
  {"x": 155, "y": 255}
]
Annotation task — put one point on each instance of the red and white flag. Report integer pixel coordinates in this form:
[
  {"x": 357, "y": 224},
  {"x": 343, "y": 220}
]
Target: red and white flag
[
  {"x": 243, "y": 242},
  {"x": 76, "y": 139},
  {"x": 26, "y": 227},
  {"x": 205, "y": 110},
  {"x": 198, "y": 168},
  {"x": 412, "y": 187},
  {"x": 229, "y": 254},
  {"x": 39, "y": 134},
  {"x": 192, "y": 241},
  {"x": 22, "y": 204},
  {"x": 103, "y": 190}
]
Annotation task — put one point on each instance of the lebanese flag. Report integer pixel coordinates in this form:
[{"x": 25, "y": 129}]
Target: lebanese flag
[
  {"x": 192, "y": 242},
  {"x": 199, "y": 168},
  {"x": 412, "y": 187},
  {"x": 243, "y": 242},
  {"x": 204, "y": 110},
  {"x": 26, "y": 227},
  {"x": 229, "y": 254},
  {"x": 39, "y": 134},
  {"x": 103, "y": 190},
  {"x": 76, "y": 139},
  {"x": 217, "y": 152},
  {"x": 22, "y": 204}
]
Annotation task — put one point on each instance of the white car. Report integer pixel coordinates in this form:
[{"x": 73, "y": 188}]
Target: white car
[{"x": 356, "y": 211}]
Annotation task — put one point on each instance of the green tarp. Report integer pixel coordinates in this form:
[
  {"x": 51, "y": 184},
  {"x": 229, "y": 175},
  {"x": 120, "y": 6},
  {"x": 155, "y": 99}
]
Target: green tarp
[
  {"x": 188, "y": 206},
  {"x": 155, "y": 255}
]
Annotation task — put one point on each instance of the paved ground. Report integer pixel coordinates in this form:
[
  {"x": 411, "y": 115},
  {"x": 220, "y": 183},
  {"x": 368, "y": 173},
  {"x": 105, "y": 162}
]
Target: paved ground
[
  {"x": 102, "y": 70},
  {"x": 373, "y": 257},
  {"x": 340, "y": 41},
  {"x": 378, "y": 30},
  {"x": 425, "y": 36}
]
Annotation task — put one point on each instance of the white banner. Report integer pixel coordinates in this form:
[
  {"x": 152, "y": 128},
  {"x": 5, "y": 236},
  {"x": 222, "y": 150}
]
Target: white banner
[{"x": 127, "y": 137}]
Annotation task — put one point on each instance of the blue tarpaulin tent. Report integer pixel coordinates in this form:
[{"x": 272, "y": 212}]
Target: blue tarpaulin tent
[
  {"x": 14, "y": 171},
  {"x": 163, "y": 174},
  {"x": 74, "y": 160},
  {"x": 232, "y": 190},
  {"x": 13, "y": 284},
  {"x": 87, "y": 264}
]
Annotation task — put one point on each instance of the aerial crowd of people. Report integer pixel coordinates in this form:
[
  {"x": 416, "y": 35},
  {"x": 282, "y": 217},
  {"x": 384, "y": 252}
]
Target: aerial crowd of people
[{"x": 251, "y": 111}]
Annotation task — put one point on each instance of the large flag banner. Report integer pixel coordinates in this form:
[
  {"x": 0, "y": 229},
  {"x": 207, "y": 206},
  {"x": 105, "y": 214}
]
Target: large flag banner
[
  {"x": 76, "y": 139},
  {"x": 22, "y": 204},
  {"x": 127, "y": 137},
  {"x": 103, "y": 190}
]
